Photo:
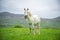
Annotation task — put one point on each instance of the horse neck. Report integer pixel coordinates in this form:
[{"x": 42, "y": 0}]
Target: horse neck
[
  {"x": 29, "y": 17},
  {"x": 29, "y": 14}
]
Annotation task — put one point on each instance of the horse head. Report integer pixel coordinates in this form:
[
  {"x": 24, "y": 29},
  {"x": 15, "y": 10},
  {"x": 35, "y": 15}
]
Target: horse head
[{"x": 27, "y": 13}]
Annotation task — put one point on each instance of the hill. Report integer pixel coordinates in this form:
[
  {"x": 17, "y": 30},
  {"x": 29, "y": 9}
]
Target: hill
[
  {"x": 8, "y": 19},
  {"x": 50, "y": 23},
  {"x": 10, "y": 15}
]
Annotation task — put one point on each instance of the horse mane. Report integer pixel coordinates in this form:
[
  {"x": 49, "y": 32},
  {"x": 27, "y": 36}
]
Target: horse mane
[{"x": 29, "y": 14}]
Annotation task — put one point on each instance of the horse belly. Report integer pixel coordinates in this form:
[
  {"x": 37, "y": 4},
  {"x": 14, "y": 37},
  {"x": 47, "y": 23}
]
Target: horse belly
[{"x": 36, "y": 19}]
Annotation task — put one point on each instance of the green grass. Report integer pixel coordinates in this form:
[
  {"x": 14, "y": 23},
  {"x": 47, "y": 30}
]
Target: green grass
[{"x": 23, "y": 34}]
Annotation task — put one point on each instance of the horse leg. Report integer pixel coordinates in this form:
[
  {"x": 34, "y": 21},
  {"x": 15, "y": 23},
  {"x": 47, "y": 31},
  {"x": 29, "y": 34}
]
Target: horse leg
[
  {"x": 31, "y": 28},
  {"x": 38, "y": 28}
]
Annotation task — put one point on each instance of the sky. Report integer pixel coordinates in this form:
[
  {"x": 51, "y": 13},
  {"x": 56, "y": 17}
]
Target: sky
[{"x": 42, "y": 8}]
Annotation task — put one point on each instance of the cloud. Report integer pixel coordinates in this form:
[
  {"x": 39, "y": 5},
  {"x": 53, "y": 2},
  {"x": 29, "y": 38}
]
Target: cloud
[{"x": 43, "y": 8}]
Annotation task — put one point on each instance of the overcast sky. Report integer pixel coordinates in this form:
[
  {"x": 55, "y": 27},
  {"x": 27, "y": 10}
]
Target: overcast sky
[{"x": 43, "y": 8}]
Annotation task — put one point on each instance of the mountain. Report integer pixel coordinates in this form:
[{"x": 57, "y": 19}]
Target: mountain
[
  {"x": 8, "y": 19},
  {"x": 50, "y": 23},
  {"x": 10, "y": 15},
  {"x": 57, "y": 17}
]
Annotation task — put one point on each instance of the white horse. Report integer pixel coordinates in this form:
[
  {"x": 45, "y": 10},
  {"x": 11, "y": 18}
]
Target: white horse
[{"x": 33, "y": 21}]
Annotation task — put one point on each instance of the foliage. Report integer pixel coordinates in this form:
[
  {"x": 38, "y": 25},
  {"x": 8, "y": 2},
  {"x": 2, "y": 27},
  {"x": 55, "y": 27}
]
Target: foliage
[{"x": 19, "y": 26}]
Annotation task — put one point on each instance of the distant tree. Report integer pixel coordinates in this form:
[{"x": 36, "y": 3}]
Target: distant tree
[{"x": 19, "y": 26}]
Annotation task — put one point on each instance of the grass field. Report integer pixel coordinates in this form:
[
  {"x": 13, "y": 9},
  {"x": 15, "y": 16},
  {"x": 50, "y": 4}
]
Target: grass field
[{"x": 23, "y": 34}]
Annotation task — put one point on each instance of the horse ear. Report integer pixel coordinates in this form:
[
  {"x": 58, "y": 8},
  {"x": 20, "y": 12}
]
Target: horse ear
[
  {"x": 24, "y": 9},
  {"x": 27, "y": 9}
]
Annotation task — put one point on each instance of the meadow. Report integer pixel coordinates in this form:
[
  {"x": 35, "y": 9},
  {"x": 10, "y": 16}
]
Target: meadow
[
  {"x": 23, "y": 34},
  {"x": 14, "y": 27}
]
